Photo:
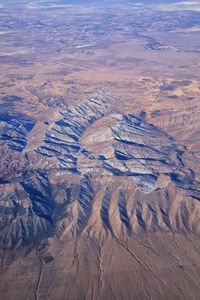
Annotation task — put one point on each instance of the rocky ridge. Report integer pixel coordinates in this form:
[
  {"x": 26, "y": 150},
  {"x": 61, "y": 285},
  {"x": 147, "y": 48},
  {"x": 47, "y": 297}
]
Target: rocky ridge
[
  {"x": 63, "y": 138},
  {"x": 146, "y": 186}
]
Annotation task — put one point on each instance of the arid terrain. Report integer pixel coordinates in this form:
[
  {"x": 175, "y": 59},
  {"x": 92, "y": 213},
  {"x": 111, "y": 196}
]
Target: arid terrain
[{"x": 99, "y": 150}]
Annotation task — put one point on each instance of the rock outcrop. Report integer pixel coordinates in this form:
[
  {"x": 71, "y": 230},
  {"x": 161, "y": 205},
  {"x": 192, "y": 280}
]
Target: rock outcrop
[{"x": 63, "y": 138}]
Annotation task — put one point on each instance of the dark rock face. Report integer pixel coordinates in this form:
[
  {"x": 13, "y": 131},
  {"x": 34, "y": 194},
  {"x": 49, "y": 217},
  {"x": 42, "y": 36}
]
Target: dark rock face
[
  {"x": 145, "y": 152},
  {"x": 123, "y": 211},
  {"x": 30, "y": 209},
  {"x": 105, "y": 209},
  {"x": 85, "y": 199},
  {"x": 20, "y": 222},
  {"x": 14, "y": 130}
]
